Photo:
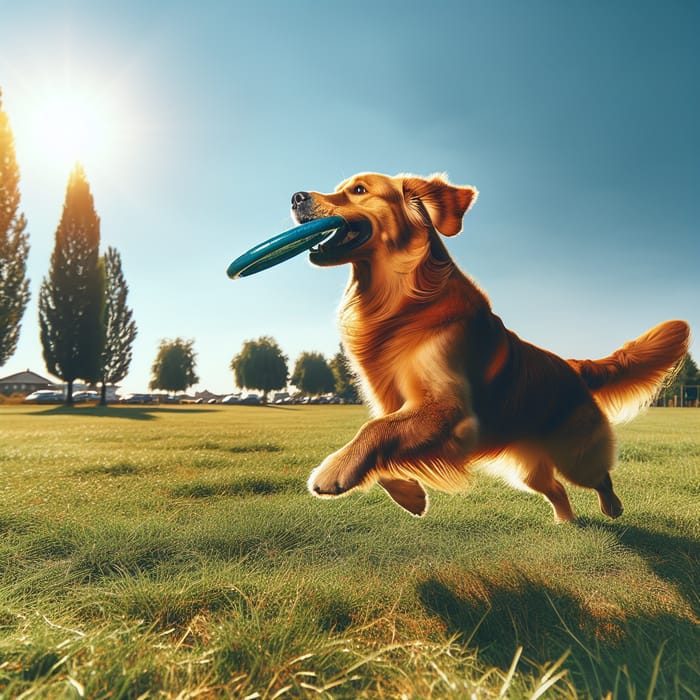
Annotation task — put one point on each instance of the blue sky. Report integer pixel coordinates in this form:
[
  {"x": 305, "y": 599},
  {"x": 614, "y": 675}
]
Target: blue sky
[{"x": 577, "y": 121}]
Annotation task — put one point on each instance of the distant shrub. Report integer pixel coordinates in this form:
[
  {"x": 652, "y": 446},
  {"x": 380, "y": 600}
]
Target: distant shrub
[
  {"x": 119, "y": 469},
  {"x": 11, "y": 400}
]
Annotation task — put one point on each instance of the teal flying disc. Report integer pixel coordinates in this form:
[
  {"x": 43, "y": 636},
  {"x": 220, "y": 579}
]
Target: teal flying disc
[{"x": 285, "y": 246}]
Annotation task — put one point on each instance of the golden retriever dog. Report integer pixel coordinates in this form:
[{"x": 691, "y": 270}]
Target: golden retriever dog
[{"x": 449, "y": 387}]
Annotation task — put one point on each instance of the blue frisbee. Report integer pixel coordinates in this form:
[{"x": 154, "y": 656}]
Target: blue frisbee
[{"x": 285, "y": 246}]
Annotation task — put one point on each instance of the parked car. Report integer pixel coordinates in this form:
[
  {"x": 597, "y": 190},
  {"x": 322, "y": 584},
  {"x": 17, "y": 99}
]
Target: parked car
[
  {"x": 45, "y": 396},
  {"x": 137, "y": 398},
  {"x": 84, "y": 396},
  {"x": 231, "y": 398},
  {"x": 250, "y": 399}
]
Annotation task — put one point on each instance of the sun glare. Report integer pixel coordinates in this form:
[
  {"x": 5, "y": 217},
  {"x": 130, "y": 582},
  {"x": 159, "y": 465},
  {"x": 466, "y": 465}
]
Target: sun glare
[
  {"x": 61, "y": 119},
  {"x": 58, "y": 123},
  {"x": 72, "y": 127}
]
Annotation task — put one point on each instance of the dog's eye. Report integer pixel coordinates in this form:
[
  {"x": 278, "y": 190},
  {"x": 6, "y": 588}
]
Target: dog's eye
[{"x": 359, "y": 189}]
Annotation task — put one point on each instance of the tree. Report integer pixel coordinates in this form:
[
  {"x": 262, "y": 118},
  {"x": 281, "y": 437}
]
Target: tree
[
  {"x": 119, "y": 325},
  {"x": 14, "y": 245},
  {"x": 71, "y": 299},
  {"x": 312, "y": 374},
  {"x": 260, "y": 365},
  {"x": 173, "y": 369},
  {"x": 687, "y": 380},
  {"x": 345, "y": 382}
]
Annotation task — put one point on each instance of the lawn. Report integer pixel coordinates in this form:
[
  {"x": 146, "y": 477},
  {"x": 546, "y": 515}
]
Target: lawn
[{"x": 174, "y": 552}]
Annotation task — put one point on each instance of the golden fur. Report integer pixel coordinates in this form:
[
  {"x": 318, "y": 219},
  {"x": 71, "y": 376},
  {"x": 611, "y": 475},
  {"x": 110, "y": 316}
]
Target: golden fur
[{"x": 449, "y": 387}]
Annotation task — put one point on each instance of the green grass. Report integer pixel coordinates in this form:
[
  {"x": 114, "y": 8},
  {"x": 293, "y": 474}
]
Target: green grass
[{"x": 175, "y": 552}]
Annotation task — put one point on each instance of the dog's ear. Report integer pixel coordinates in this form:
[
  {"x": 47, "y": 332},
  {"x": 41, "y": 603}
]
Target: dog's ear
[{"x": 444, "y": 203}]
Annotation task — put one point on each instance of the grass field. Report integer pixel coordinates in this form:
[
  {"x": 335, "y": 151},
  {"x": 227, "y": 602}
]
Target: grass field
[{"x": 173, "y": 552}]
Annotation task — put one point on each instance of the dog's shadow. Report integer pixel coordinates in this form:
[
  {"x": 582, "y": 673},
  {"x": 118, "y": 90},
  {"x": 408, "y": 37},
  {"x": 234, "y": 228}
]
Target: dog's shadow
[
  {"x": 673, "y": 558},
  {"x": 498, "y": 617}
]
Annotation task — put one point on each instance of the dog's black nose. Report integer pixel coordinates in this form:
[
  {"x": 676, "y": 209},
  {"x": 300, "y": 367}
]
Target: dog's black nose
[{"x": 298, "y": 198}]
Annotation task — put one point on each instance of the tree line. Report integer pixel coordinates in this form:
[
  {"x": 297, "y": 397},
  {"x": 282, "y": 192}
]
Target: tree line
[
  {"x": 260, "y": 365},
  {"x": 684, "y": 387}
]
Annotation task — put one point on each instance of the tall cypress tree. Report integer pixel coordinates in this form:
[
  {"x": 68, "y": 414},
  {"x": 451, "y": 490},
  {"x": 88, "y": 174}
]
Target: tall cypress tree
[
  {"x": 71, "y": 299},
  {"x": 119, "y": 325},
  {"x": 14, "y": 245}
]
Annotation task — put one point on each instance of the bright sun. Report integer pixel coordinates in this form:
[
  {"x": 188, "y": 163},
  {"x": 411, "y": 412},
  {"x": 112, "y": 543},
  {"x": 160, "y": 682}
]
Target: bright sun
[
  {"x": 72, "y": 127},
  {"x": 60, "y": 116}
]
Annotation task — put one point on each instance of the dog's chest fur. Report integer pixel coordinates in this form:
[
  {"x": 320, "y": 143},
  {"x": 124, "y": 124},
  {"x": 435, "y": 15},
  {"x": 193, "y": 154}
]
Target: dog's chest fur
[{"x": 397, "y": 358}]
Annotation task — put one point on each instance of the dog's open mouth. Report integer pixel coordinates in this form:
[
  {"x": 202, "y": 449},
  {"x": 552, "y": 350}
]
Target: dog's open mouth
[{"x": 340, "y": 242}]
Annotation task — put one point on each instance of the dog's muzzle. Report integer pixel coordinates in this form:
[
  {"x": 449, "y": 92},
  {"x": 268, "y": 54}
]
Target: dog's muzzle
[{"x": 302, "y": 203}]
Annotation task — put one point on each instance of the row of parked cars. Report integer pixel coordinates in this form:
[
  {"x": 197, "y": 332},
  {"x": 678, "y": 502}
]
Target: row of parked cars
[
  {"x": 248, "y": 399},
  {"x": 280, "y": 399},
  {"x": 52, "y": 396}
]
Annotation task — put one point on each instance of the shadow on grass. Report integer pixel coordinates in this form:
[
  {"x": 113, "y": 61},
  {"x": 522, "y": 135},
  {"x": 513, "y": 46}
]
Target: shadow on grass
[
  {"x": 119, "y": 469},
  {"x": 673, "y": 558},
  {"x": 147, "y": 412},
  {"x": 612, "y": 648},
  {"x": 244, "y": 486}
]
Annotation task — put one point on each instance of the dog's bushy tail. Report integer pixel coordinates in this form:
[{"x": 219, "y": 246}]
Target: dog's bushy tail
[{"x": 627, "y": 381}]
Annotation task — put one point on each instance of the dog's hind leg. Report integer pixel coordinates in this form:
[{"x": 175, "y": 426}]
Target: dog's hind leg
[
  {"x": 584, "y": 452},
  {"x": 610, "y": 504},
  {"x": 541, "y": 479}
]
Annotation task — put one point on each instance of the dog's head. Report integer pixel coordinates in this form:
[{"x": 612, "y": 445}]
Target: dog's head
[{"x": 385, "y": 215}]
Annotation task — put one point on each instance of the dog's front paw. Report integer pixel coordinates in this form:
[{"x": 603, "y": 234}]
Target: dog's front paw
[{"x": 335, "y": 476}]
